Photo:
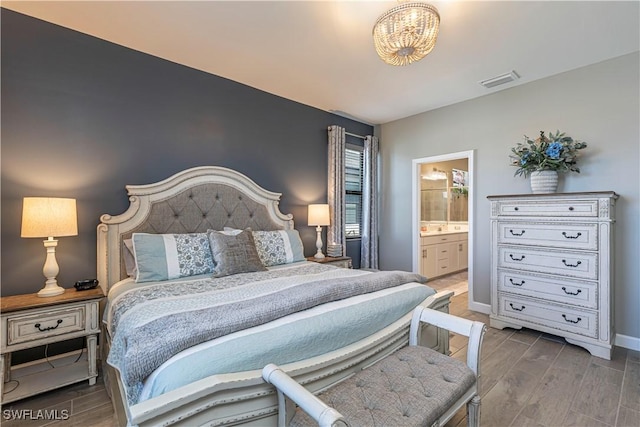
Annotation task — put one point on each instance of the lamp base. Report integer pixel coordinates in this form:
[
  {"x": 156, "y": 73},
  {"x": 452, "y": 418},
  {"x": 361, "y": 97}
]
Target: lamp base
[
  {"x": 50, "y": 290},
  {"x": 319, "y": 254},
  {"x": 50, "y": 271}
]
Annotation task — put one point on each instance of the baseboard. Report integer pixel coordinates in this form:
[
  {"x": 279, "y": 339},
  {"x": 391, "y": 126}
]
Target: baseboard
[
  {"x": 625, "y": 341},
  {"x": 480, "y": 307}
]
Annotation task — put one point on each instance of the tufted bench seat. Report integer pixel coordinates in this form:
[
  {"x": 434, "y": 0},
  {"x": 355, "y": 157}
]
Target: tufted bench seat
[{"x": 414, "y": 386}]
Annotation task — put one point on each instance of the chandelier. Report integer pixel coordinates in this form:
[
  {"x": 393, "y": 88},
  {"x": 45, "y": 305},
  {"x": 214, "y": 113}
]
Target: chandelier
[{"x": 406, "y": 33}]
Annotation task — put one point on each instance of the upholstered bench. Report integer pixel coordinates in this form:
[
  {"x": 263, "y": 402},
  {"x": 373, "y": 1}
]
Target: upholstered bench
[{"x": 414, "y": 386}]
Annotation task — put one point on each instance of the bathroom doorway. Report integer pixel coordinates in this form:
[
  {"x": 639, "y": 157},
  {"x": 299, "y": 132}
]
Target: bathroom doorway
[{"x": 442, "y": 221}]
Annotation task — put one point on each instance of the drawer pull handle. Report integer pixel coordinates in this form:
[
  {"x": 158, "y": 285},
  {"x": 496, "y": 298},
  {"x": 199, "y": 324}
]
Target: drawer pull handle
[
  {"x": 564, "y": 233},
  {"x": 516, "y": 259},
  {"x": 564, "y": 261},
  {"x": 516, "y": 208},
  {"x": 570, "y": 208},
  {"x": 518, "y": 309},
  {"x": 516, "y": 234},
  {"x": 37, "y": 325},
  {"x": 516, "y": 284},
  {"x": 571, "y": 321},
  {"x": 571, "y": 293}
]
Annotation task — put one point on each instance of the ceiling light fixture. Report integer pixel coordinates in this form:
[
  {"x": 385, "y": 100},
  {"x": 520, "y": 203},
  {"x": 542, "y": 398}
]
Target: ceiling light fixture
[{"x": 406, "y": 33}]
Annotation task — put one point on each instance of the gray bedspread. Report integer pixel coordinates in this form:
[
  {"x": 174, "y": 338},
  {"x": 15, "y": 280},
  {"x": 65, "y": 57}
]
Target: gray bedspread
[{"x": 151, "y": 324}]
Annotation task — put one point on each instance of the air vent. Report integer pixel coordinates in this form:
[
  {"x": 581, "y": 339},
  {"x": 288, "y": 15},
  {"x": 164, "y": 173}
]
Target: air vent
[{"x": 500, "y": 80}]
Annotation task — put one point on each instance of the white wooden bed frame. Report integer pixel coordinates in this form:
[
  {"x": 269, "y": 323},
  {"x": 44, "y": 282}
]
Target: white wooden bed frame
[{"x": 242, "y": 397}]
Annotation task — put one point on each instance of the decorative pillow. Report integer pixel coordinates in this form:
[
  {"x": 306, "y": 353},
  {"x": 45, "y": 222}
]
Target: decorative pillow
[
  {"x": 279, "y": 247},
  {"x": 234, "y": 253},
  {"x": 170, "y": 256}
]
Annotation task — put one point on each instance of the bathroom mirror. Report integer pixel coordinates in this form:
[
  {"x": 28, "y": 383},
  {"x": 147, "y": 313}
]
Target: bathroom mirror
[
  {"x": 434, "y": 196},
  {"x": 444, "y": 194}
]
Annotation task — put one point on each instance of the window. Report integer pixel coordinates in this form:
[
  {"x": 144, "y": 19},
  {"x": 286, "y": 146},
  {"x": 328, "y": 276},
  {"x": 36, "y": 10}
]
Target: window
[{"x": 353, "y": 190}]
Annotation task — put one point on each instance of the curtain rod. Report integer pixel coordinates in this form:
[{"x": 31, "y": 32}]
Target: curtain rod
[{"x": 354, "y": 135}]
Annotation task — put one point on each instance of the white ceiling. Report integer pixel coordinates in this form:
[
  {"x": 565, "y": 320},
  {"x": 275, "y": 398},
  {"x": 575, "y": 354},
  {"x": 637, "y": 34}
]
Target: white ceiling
[{"x": 320, "y": 53}]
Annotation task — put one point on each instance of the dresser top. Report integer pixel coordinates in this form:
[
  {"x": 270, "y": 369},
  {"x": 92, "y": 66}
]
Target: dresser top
[
  {"x": 29, "y": 301},
  {"x": 577, "y": 195}
]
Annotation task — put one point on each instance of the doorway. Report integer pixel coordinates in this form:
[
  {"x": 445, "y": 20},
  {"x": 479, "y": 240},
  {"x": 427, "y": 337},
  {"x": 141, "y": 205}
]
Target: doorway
[{"x": 442, "y": 220}]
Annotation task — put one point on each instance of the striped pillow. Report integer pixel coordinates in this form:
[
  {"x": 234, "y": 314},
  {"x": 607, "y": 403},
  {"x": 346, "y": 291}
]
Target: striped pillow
[
  {"x": 171, "y": 256},
  {"x": 278, "y": 247}
]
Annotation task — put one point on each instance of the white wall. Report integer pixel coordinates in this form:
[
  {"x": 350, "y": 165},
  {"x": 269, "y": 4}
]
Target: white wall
[{"x": 599, "y": 104}]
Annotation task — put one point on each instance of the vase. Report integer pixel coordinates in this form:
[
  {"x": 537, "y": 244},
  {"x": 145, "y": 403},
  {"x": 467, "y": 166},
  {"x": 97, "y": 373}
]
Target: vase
[{"x": 544, "y": 181}]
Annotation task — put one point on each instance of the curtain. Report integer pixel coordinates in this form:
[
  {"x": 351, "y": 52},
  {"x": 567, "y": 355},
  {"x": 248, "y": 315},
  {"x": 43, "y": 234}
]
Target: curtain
[
  {"x": 336, "y": 188},
  {"x": 369, "y": 233}
]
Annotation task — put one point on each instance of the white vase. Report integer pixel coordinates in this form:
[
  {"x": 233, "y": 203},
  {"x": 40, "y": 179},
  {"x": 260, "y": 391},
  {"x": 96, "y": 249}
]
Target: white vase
[{"x": 544, "y": 182}]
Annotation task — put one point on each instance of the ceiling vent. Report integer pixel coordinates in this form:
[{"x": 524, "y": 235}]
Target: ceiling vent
[{"x": 500, "y": 80}]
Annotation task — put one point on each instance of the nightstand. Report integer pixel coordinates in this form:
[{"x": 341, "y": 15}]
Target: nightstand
[
  {"x": 29, "y": 321},
  {"x": 340, "y": 261}
]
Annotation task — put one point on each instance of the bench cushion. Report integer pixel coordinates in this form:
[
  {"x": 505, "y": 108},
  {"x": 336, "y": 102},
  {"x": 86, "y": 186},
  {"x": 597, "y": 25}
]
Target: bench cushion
[{"x": 412, "y": 387}]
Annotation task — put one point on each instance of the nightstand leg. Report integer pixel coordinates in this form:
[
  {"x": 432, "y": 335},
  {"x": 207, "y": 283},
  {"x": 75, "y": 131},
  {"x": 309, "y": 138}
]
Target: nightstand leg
[
  {"x": 6, "y": 367},
  {"x": 92, "y": 342},
  {"x": 2, "y": 369}
]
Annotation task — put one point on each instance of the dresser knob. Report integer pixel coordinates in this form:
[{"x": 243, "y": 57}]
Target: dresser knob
[
  {"x": 522, "y": 307},
  {"x": 564, "y": 261},
  {"x": 571, "y": 293},
  {"x": 571, "y": 321},
  {"x": 578, "y": 234},
  {"x": 516, "y": 284}
]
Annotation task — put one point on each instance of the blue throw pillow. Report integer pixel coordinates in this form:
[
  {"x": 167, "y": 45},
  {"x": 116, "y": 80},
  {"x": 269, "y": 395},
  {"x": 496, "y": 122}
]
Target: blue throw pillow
[{"x": 171, "y": 256}]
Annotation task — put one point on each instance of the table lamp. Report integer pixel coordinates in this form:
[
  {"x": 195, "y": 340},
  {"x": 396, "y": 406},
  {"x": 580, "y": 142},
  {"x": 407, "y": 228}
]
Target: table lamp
[
  {"x": 49, "y": 217},
  {"x": 318, "y": 216}
]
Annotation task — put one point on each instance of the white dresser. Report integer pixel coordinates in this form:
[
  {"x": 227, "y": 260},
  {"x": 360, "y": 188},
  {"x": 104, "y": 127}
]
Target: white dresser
[{"x": 551, "y": 266}]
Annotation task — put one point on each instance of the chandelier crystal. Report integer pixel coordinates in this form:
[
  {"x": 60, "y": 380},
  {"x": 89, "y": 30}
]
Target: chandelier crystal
[{"x": 406, "y": 33}]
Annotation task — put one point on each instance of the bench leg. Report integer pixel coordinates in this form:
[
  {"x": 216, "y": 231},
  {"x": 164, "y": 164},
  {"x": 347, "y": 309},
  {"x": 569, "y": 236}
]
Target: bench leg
[{"x": 473, "y": 412}]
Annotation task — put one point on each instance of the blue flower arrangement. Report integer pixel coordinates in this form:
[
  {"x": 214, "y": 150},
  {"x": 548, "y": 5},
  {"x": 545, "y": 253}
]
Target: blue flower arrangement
[{"x": 556, "y": 152}]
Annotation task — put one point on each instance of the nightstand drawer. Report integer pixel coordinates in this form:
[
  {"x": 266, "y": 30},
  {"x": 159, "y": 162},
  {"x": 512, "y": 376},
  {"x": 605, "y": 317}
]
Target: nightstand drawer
[{"x": 27, "y": 327}]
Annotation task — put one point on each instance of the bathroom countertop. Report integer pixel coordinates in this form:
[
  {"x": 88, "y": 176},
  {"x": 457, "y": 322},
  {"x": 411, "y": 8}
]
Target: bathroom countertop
[{"x": 438, "y": 233}]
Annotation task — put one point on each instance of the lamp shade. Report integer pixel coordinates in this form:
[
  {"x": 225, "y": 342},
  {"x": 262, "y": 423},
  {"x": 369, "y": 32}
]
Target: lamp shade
[
  {"x": 49, "y": 217},
  {"x": 318, "y": 215}
]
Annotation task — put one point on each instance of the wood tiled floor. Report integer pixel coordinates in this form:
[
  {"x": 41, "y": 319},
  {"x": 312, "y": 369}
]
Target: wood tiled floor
[{"x": 528, "y": 379}]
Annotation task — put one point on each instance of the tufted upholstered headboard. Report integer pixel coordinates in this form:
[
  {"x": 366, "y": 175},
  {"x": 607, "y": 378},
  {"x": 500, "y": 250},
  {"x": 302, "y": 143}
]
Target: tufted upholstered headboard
[{"x": 194, "y": 200}]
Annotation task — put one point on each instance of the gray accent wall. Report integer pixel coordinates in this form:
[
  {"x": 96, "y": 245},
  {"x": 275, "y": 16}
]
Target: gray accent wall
[
  {"x": 599, "y": 104},
  {"x": 82, "y": 118}
]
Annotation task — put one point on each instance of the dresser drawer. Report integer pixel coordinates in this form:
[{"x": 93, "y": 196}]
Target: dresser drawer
[
  {"x": 566, "y": 263},
  {"x": 576, "y": 208},
  {"x": 570, "y": 236},
  {"x": 32, "y": 326},
  {"x": 556, "y": 317},
  {"x": 564, "y": 291}
]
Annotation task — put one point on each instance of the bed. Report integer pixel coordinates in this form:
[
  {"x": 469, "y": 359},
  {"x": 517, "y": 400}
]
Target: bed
[{"x": 187, "y": 349}]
